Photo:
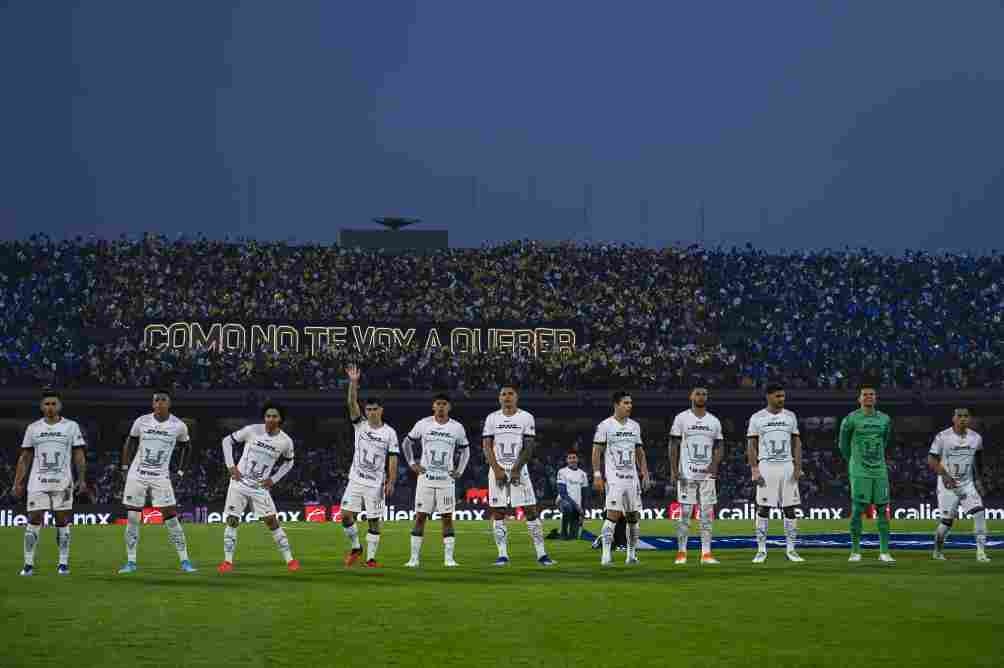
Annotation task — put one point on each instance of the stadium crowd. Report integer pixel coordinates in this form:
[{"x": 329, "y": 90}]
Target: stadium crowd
[{"x": 653, "y": 319}]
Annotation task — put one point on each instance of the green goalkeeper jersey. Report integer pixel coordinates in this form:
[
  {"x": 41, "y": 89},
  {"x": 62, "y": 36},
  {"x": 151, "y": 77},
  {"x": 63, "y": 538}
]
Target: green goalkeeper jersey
[{"x": 863, "y": 441}]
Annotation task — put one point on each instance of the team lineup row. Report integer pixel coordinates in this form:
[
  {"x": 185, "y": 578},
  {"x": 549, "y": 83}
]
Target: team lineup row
[{"x": 620, "y": 472}]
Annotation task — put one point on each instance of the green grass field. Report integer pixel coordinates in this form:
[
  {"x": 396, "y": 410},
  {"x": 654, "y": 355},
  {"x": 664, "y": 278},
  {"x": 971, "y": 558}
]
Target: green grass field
[{"x": 825, "y": 612}]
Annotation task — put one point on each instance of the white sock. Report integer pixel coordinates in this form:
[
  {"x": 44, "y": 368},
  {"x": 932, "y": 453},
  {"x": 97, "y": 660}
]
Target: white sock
[
  {"x": 633, "y": 535},
  {"x": 282, "y": 542},
  {"x": 63, "y": 540},
  {"x": 416, "y": 547},
  {"x": 177, "y": 537},
  {"x": 761, "y": 533},
  {"x": 939, "y": 536},
  {"x": 132, "y": 534},
  {"x": 352, "y": 533},
  {"x": 790, "y": 532},
  {"x": 607, "y": 535},
  {"x": 980, "y": 529},
  {"x": 372, "y": 543},
  {"x": 30, "y": 541},
  {"x": 229, "y": 542},
  {"x": 536, "y": 531},
  {"x": 707, "y": 512},
  {"x": 449, "y": 542},
  {"x": 683, "y": 527},
  {"x": 501, "y": 538}
]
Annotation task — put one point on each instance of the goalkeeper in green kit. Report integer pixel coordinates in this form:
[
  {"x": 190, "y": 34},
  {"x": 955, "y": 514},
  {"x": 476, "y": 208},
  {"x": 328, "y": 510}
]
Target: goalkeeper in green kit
[{"x": 864, "y": 436}]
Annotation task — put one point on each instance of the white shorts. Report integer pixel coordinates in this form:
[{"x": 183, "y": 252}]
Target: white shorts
[
  {"x": 781, "y": 488},
  {"x": 238, "y": 496},
  {"x": 57, "y": 500},
  {"x": 502, "y": 495},
  {"x": 694, "y": 492},
  {"x": 623, "y": 496},
  {"x": 363, "y": 498},
  {"x": 429, "y": 499},
  {"x": 964, "y": 496},
  {"x": 160, "y": 489}
]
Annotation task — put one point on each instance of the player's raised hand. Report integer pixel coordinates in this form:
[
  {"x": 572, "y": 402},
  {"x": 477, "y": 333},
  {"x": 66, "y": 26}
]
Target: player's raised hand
[
  {"x": 353, "y": 372},
  {"x": 235, "y": 473}
]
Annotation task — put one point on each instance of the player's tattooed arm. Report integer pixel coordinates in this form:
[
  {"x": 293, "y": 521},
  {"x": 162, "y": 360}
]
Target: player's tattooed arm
[
  {"x": 796, "y": 453},
  {"x": 674, "y": 458},
  {"x": 80, "y": 464},
  {"x": 408, "y": 448},
  {"x": 488, "y": 445},
  {"x": 465, "y": 457},
  {"x": 753, "y": 457},
  {"x": 391, "y": 481},
  {"x": 529, "y": 443},
  {"x": 598, "y": 451},
  {"x": 716, "y": 457},
  {"x": 642, "y": 458},
  {"x": 352, "y": 397},
  {"x": 24, "y": 463}
]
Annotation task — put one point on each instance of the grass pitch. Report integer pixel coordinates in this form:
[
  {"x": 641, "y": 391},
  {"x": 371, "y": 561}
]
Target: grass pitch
[{"x": 825, "y": 612}]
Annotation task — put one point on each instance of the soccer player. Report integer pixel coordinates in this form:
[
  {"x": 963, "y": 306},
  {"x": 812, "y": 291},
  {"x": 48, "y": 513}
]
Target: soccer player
[
  {"x": 153, "y": 437},
  {"x": 440, "y": 437},
  {"x": 373, "y": 473},
  {"x": 617, "y": 448},
  {"x": 508, "y": 443},
  {"x": 252, "y": 479},
  {"x": 46, "y": 450},
  {"x": 956, "y": 457},
  {"x": 774, "y": 452},
  {"x": 571, "y": 481},
  {"x": 864, "y": 436},
  {"x": 695, "y": 452}
]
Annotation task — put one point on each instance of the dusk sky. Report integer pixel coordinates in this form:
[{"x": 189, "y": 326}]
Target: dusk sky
[{"x": 798, "y": 124}]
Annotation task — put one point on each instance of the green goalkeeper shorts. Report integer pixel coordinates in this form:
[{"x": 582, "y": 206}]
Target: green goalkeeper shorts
[{"x": 870, "y": 490}]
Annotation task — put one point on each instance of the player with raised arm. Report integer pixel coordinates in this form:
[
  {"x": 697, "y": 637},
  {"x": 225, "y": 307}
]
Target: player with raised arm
[
  {"x": 774, "y": 452},
  {"x": 373, "y": 473},
  {"x": 695, "y": 452},
  {"x": 864, "y": 437},
  {"x": 956, "y": 457},
  {"x": 48, "y": 446},
  {"x": 153, "y": 438},
  {"x": 252, "y": 479},
  {"x": 617, "y": 448},
  {"x": 508, "y": 442},
  {"x": 440, "y": 437}
]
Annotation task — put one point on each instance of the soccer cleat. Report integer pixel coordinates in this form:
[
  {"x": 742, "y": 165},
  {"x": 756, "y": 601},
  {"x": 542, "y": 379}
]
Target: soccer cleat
[
  {"x": 759, "y": 557},
  {"x": 631, "y": 561},
  {"x": 187, "y": 567},
  {"x": 371, "y": 563},
  {"x": 886, "y": 558},
  {"x": 681, "y": 558},
  {"x": 63, "y": 569},
  {"x": 450, "y": 563},
  {"x": 352, "y": 557},
  {"x": 855, "y": 556},
  {"x": 546, "y": 561},
  {"x": 130, "y": 567},
  {"x": 293, "y": 565},
  {"x": 708, "y": 558},
  {"x": 502, "y": 561},
  {"x": 791, "y": 555},
  {"x": 225, "y": 567},
  {"x": 982, "y": 556},
  {"x": 27, "y": 570},
  {"x": 938, "y": 555},
  {"x": 412, "y": 563}
]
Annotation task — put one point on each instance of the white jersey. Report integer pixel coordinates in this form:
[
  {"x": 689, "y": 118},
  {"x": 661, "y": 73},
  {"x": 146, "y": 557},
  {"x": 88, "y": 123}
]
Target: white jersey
[
  {"x": 156, "y": 444},
  {"x": 573, "y": 480},
  {"x": 698, "y": 436},
  {"x": 620, "y": 440},
  {"x": 774, "y": 432},
  {"x": 261, "y": 451},
  {"x": 373, "y": 448},
  {"x": 439, "y": 444},
  {"x": 507, "y": 433},
  {"x": 53, "y": 449},
  {"x": 957, "y": 453}
]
